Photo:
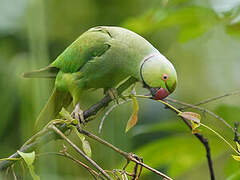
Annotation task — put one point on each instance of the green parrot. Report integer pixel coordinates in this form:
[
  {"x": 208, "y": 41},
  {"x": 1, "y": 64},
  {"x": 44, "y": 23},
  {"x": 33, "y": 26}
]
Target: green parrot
[{"x": 103, "y": 57}]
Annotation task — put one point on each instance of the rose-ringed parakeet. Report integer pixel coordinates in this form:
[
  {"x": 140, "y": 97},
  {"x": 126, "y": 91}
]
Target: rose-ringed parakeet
[{"x": 102, "y": 57}]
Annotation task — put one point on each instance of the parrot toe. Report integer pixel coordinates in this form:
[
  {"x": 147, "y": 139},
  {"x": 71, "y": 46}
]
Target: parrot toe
[{"x": 78, "y": 114}]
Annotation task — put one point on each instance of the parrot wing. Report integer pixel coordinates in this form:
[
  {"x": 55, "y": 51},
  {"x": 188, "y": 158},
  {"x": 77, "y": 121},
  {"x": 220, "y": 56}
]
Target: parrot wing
[{"x": 90, "y": 44}]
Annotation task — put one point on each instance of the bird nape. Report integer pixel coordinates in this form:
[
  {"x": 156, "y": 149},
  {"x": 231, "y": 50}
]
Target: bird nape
[{"x": 102, "y": 57}]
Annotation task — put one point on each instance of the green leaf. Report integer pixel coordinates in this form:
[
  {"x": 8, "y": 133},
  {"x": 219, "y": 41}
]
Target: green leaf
[
  {"x": 87, "y": 148},
  {"x": 85, "y": 144},
  {"x": 81, "y": 136},
  {"x": 237, "y": 158},
  {"x": 194, "y": 118},
  {"x": 134, "y": 117},
  {"x": 29, "y": 159},
  {"x": 194, "y": 127},
  {"x": 65, "y": 114}
]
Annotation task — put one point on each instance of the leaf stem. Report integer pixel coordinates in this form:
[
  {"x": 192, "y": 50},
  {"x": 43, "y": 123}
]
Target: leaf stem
[
  {"x": 10, "y": 159},
  {"x": 220, "y": 137},
  {"x": 178, "y": 111},
  {"x": 163, "y": 102}
]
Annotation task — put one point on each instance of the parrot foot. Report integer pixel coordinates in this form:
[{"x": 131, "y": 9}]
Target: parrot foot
[
  {"x": 78, "y": 114},
  {"x": 113, "y": 94}
]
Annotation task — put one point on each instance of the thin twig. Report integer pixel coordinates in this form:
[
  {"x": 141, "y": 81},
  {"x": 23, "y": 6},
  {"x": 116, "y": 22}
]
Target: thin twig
[
  {"x": 140, "y": 170},
  {"x": 134, "y": 174},
  {"x": 50, "y": 135},
  {"x": 80, "y": 151},
  {"x": 23, "y": 169},
  {"x": 7, "y": 171},
  {"x": 128, "y": 156},
  {"x": 67, "y": 155},
  {"x": 201, "y": 138},
  {"x": 204, "y": 110},
  {"x": 213, "y": 99},
  {"x": 108, "y": 112},
  {"x": 236, "y": 136},
  {"x": 13, "y": 173},
  {"x": 204, "y": 141}
]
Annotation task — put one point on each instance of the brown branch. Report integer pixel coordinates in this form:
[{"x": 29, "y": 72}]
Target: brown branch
[
  {"x": 67, "y": 155},
  {"x": 48, "y": 136},
  {"x": 140, "y": 170},
  {"x": 79, "y": 151},
  {"x": 236, "y": 134},
  {"x": 202, "y": 139},
  {"x": 213, "y": 99},
  {"x": 128, "y": 156}
]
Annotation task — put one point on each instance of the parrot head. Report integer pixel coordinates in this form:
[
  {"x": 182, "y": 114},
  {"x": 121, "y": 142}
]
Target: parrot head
[{"x": 158, "y": 75}]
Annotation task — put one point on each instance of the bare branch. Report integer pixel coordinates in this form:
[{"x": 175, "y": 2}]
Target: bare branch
[
  {"x": 213, "y": 99},
  {"x": 128, "y": 156},
  {"x": 13, "y": 173},
  {"x": 108, "y": 112},
  {"x": 204, "y": 110},
  {"x": 202, "y": 139},
  {"x": 47, "y": 136},
  {"x": 80, "y": 152},
  {"x": 67, "y": 155}
]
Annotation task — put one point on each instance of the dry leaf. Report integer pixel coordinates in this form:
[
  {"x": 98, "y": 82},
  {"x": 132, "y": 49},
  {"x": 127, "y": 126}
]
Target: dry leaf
[
  {"x": 191, "y": 116},
  {"x": 134, "y": 117}
]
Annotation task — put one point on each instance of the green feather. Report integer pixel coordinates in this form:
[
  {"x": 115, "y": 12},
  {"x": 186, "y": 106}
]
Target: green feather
[
  {"x": 102, "y": 57},
  {"x": 47, "y": 72}
]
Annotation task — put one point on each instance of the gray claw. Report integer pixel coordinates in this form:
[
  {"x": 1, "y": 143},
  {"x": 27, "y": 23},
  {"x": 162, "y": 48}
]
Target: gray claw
[{"x": 78, "y": 114}]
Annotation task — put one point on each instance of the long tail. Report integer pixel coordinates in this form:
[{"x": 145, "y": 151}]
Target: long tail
[
  {"x": 47, "y": 72},
  {"x": 56, "y": 102}
]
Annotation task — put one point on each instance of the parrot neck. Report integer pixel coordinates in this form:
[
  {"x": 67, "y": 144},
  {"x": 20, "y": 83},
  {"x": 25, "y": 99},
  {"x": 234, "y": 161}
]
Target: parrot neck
[{"x": 141, "y": 67}]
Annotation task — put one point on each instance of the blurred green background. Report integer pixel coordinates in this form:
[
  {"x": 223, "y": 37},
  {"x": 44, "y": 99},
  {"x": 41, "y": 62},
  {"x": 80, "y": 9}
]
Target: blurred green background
[{"x": 200, "y": 37}]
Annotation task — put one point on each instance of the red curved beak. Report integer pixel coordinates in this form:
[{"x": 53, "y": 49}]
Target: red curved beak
[{"x": 160, "y": 94}]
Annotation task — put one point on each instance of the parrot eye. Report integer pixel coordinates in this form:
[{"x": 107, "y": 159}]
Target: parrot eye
[{"x": 164, "y": 77}]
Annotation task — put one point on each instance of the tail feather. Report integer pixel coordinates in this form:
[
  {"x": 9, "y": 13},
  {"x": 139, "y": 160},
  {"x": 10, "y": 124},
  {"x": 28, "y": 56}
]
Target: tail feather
[
  {"x": 57, "y": 100},
  {"x": 47, "y": 72}
]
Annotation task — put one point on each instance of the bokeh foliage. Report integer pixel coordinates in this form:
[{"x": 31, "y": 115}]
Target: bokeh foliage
[{"x": 201, "y": 38}]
